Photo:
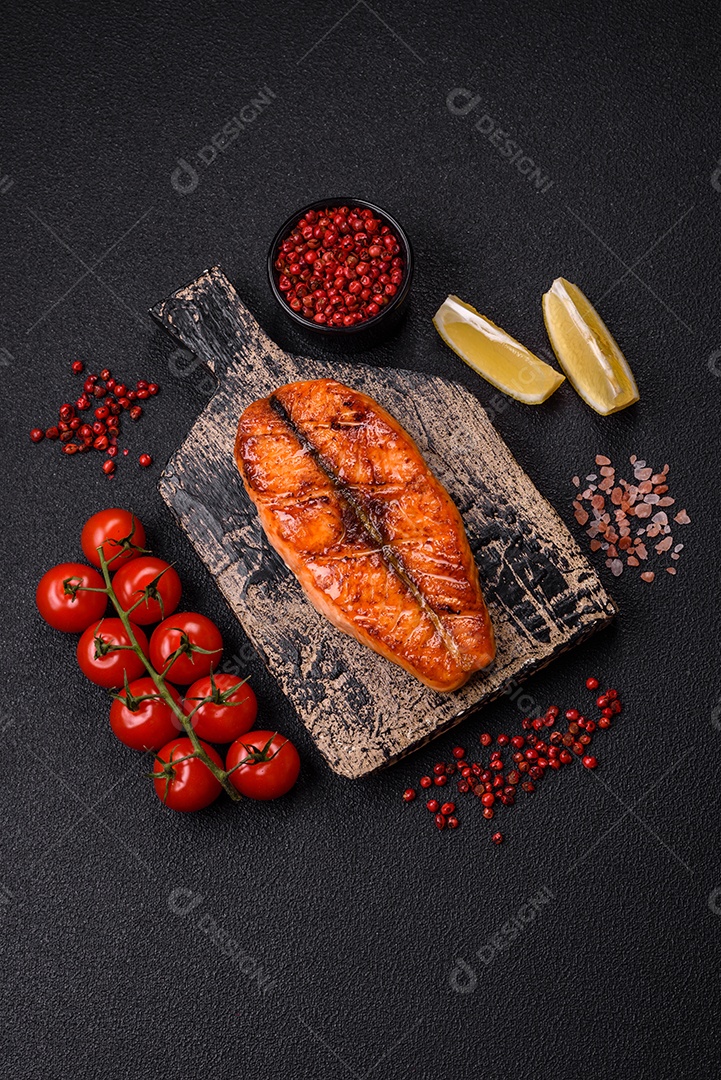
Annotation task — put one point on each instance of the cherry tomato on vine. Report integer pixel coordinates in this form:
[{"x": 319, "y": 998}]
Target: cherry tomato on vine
[
  {"x": 152, "y": 581},
  {"x": 271, "y": 764},
  {"x": 144, "y": 724},
  {"x": 192, "y": 785},
  {"x": 63, "y": 601},
  {"x": 101, "y": 662},
  {"x": 231, "y": 713},
  {"x": 191, "y": 633},
  {"x": 119, "y": 533}
]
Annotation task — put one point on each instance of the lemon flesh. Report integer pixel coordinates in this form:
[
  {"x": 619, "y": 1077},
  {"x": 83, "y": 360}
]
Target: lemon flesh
[
  {"x": 494, "y": 354},
  {"x": 586, "y": 350}
]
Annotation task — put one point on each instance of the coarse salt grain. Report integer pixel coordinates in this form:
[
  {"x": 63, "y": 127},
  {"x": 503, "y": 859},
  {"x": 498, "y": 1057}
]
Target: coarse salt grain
[{"x": 630, "y": 503}]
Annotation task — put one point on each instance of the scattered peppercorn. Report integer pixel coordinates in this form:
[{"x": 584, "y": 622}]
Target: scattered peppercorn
[
  {"x": 78, "y": 437},
  {"x": 494, "y": 784}
]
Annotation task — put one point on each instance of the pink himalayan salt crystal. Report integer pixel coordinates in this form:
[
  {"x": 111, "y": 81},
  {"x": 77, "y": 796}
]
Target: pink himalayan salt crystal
[{"x": 649, "y": 487}]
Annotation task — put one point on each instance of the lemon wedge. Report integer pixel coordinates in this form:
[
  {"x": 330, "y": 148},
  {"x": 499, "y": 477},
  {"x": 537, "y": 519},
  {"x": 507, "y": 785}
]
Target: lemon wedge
[
  {"x": 494, "y": 354},
  {"x": 586, "y": 350}
]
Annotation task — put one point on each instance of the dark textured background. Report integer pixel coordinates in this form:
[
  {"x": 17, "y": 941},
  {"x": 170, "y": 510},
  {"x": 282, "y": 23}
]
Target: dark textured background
[{"x": 349, "y": 899}]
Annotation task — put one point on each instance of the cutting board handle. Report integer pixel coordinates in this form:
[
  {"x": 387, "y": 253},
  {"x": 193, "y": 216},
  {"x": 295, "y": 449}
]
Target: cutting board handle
[{"x": 209, "y": 318}]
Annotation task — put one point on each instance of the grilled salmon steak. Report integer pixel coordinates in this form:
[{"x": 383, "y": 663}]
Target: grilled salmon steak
[{"x": 349, "y": 504}]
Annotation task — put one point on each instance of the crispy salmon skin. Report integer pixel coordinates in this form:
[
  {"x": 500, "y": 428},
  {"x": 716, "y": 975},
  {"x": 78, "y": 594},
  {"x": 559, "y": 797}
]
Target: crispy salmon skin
[{"x": 347, "y": 501}]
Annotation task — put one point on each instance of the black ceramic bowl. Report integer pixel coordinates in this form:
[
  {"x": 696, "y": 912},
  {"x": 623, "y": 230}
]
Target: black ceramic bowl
[{"x": 377, "y": 325}]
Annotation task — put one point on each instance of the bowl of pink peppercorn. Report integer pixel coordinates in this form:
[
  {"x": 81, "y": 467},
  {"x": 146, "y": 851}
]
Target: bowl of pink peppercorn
[{"x": 341, "y": 268}]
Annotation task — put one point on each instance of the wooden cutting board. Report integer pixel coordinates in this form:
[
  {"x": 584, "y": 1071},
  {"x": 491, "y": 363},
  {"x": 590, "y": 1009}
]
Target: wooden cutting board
[{"x": 362, "y": 711}]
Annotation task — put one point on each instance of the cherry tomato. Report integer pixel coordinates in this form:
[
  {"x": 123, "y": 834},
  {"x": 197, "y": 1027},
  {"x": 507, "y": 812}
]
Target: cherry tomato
[
  {"x": 64, "y": 603},
  {"x": 191, "y": 632},
  {"x": 192, "y": 785},
  {"x": 231, "y": 713},
  {"x": 119, "y": 533},
  {"x": 151, "y": 723},
  {"x": 161, "y": 581},
  {"x": 272, "y": 764},
  {"x": 105, "y": 665}
]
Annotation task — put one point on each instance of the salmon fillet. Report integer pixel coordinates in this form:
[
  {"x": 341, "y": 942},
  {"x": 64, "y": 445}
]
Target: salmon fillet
[{"x": 376, "y": 542}]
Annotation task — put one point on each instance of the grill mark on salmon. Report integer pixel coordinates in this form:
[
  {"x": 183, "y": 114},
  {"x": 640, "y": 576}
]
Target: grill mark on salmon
[
  {"x": 389, "y": 555},
  {"x": 347, "y": 500}
]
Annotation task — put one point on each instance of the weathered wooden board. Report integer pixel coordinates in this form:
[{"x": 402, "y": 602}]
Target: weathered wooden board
[{"x": 362, "y": 711}]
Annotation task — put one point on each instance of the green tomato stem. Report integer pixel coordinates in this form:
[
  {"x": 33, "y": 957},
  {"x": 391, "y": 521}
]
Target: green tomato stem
[{"x": 199, "y": 750}]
